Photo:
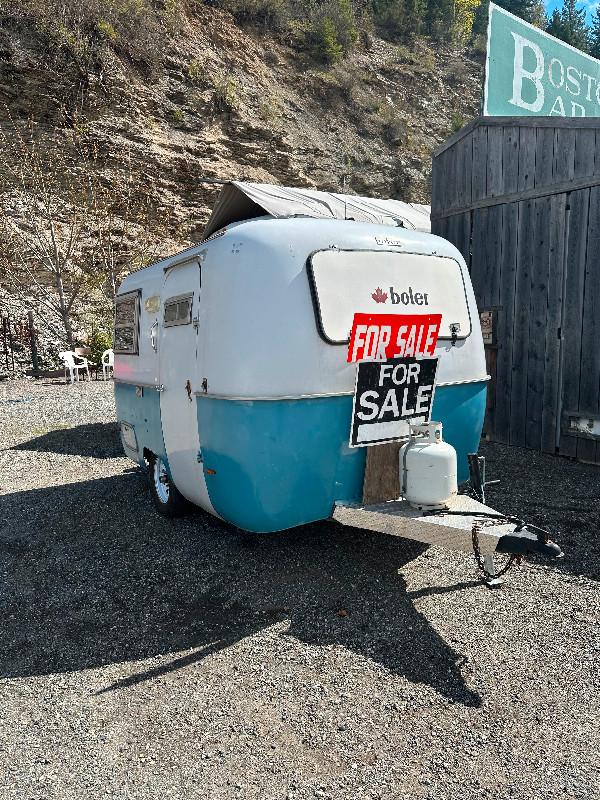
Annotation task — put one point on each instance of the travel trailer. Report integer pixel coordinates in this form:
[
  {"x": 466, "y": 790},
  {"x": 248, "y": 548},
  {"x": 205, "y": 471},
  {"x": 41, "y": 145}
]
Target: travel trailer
[{"x": 232, "y": 378}]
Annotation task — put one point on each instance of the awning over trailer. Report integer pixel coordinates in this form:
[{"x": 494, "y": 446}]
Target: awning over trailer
[{"x": 239, "y": 201}]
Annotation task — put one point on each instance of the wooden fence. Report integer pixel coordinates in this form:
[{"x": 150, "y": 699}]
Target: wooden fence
[{"x": 520, "y": 198}]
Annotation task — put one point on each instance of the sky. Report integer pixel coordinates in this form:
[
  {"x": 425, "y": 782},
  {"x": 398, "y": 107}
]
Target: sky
[{"x": 589, "y": 5}]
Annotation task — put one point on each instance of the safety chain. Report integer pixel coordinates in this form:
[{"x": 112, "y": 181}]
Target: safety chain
[{"x": 514, "y": 558}]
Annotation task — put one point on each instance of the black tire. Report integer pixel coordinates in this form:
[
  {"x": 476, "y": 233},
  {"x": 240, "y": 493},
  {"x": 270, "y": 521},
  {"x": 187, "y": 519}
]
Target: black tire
[{"x": 166, "y": 498}]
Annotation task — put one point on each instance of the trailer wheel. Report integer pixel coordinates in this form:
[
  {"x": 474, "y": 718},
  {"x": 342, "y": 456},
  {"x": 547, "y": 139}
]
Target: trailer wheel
[{"x": 167, "y": 499}]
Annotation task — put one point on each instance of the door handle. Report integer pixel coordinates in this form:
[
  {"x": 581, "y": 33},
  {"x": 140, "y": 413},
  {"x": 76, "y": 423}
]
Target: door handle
[{"x": 153, "y": 336}]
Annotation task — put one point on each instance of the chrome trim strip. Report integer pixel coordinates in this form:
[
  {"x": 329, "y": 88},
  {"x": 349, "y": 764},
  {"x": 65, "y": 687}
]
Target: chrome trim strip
[
  {"x": 158, "y": 386},
  {"x": 317, "y": 396},
  {"x": 282, "y": 397}
]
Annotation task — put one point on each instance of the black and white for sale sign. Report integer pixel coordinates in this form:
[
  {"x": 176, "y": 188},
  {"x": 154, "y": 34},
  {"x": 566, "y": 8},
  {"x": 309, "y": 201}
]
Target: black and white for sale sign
[{"x": 388, "y": 396}]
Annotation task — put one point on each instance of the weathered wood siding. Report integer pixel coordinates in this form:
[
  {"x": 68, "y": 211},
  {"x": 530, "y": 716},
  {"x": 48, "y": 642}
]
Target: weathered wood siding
[{"x": 520, "y": 198}]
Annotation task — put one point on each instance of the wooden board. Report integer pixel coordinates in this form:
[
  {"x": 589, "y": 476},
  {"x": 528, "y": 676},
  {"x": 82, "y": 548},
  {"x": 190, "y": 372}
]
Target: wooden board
[
  {"x": 382, "y": 474},
  {"x": 558, "y": 205},
  {"x": 493, "y": 250},
  {"x": 573, "y": 311},
  {"x": 489, "y": 299},
  {"x": 538, "y": 304},
  {"x": 463, "y": 237},
  {"x": 437, "y": 187},
  {"x": 510, "y": 160},
  {"x": 577, "y": 123},
  {"x": 520, "y": 343},
  {"x": 439, "y": 227},
  {"x": 510, "y": 226},
  {"x": 544, "y": 157},
  {"x": 494, "y": 176},
  {"x": 585, "y": 153},
  {"x": 589, "y": 384},
  {"x": 478, "y": 170},
  {"x": 526, "y": 157},
  {"x": 463, "y": 155},
  {"x": 564, "y": 155},
  {"x": 478, "y": 265}
]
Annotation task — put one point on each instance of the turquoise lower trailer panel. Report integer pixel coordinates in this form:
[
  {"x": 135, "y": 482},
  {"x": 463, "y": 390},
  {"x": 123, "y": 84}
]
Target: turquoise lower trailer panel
[
  {"x": 278, "y": 463},
  {"x": 281, "y": 463},
  {"x": 143, "y": 414}
]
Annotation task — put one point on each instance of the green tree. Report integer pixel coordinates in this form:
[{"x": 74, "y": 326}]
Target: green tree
[
  {"x": 439, "y": 18},
  {"x": 538, "y": 15},
  {"x": 533, "y": 11},
  {"x": 327, "y": 48},
  {"x": 400, "y": 17},
  {"x": 568, "y": 24},
  {"x": 595, "y": 35},
  {"x": 480, "y": 22},
  {"x": 520, "y": 8},
  {"x": 414, "y": 12},
  {"x": 333, "y": 29},
  {"x": 464, "y": 16}
]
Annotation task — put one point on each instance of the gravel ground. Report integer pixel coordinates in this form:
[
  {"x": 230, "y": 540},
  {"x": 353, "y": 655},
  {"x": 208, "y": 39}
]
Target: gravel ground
[{"x": 144, "y": 658}]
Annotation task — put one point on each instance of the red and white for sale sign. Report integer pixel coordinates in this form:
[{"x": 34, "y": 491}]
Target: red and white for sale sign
[{"x": 377, "y": 337}]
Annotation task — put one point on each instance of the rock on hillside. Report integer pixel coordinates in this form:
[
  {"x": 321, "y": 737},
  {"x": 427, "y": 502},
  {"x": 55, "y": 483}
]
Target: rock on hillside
[{"x": 223, "y": 102}]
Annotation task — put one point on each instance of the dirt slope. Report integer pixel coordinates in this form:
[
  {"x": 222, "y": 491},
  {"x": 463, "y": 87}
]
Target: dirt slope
[{"x": 222, "y": 102}]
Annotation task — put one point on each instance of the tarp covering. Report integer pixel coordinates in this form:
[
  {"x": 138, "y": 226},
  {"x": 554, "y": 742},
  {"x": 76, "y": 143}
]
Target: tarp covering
[{"x": 239, "y": 201}]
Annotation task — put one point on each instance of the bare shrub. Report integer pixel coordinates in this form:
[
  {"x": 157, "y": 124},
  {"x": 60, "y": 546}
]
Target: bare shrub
[
  {"x": 347, "y": 79},
  {"x": 457, "y": 72},
  {"x": 394, "y": 127},
  {"x": 225, "y": 91},
  {"x": 67, "y": 234}
]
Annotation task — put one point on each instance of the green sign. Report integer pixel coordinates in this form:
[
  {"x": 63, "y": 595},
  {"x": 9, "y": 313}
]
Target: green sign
[{"x": 529, "y": 73}]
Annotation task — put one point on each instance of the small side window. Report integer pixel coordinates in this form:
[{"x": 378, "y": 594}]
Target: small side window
[
  {"x": 127, "y": 313},
  {"x": 178, "y": 310}
]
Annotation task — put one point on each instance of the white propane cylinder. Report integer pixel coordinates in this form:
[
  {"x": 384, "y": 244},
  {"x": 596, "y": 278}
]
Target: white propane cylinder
[{"x": 428, "y": 467}]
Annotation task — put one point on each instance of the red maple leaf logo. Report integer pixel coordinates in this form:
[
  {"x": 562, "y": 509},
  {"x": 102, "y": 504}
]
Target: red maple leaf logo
[{"x": 379, "y": 296}]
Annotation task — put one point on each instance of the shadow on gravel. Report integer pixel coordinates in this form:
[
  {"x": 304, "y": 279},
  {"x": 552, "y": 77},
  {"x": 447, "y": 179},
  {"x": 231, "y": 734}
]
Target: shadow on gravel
[
  {"x": 92, "y": 576},
  {"x": 554, "y": 492},
  {"x": 95, "y": 440}
]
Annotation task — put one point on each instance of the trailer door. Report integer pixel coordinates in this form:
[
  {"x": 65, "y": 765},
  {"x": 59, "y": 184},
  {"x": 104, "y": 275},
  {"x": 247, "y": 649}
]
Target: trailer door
[{"x": 178, "y": 352}]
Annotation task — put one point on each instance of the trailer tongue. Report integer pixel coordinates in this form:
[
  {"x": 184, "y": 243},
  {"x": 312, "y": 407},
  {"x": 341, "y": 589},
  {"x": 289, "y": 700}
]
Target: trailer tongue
[
  {"x": 465, "y": 524},
  {"x": 445, "y": 528},
  {"x": 429, "y": 509},
  {"x": 451, "y": 528}
]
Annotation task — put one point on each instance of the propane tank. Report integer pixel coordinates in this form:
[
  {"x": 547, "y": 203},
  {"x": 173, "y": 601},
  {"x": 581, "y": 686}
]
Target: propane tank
[{"x": 427, "y": 468}]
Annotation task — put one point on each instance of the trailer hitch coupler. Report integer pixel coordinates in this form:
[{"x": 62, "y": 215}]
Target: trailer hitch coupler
[{"x": 523, "y": 543}]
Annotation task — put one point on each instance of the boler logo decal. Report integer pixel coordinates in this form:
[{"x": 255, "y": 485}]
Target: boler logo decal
[
  {"x": 377, "y": 337},
  {"x": 407, "y": 298}
]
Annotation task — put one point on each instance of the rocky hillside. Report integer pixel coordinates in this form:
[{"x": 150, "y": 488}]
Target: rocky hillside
[
  {"x": 208, "y": 99},
  {"x": 169, "y": 96}
]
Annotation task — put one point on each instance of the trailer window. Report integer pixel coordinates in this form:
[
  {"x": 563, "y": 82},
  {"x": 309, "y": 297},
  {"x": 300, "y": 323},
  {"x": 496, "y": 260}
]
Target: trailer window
[
  {"x": 127, "y": 312},
  {"x": 347, "y": 282},
  {"x": 178, "y": 310}
]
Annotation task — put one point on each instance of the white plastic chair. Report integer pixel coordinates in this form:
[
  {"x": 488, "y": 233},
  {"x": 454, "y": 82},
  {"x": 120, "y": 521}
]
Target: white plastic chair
[
  {"x": 74, "y": 364},
  {"x": 108, "y": 363}
]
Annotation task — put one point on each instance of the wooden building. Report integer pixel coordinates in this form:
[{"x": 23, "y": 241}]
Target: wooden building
[{"x": 520, "y": 198}]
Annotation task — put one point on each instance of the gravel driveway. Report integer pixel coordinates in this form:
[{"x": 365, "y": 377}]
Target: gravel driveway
[{"x": 144, "y": 658}]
